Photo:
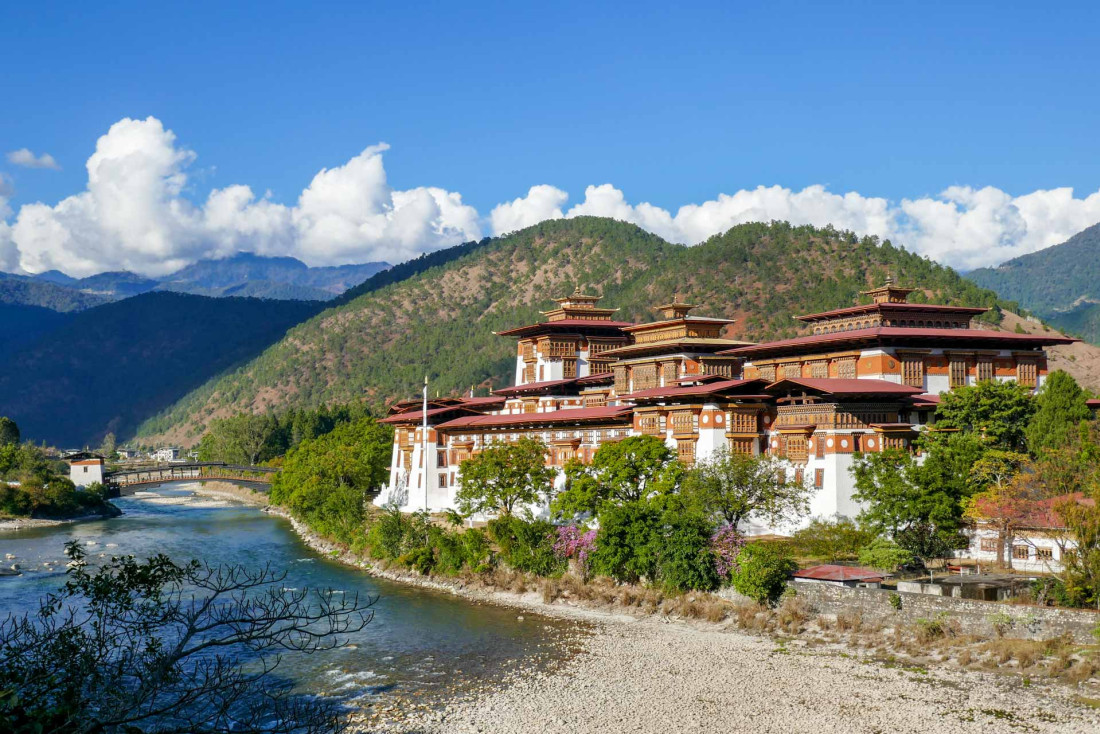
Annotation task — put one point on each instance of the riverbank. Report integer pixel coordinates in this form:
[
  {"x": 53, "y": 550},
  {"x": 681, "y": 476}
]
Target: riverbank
[
  {"x": 24, "y": 523},
  {"x": 647, "y": 672},
  {"x": 228, "y": 491}
]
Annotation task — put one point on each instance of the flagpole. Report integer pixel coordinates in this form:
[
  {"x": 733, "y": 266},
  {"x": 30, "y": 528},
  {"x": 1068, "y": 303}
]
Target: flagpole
[{"x": 424, "y": 448}]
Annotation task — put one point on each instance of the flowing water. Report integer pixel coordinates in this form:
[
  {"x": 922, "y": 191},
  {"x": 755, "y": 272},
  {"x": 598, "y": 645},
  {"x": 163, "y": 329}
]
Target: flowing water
[{"x": 421, "y": 646}]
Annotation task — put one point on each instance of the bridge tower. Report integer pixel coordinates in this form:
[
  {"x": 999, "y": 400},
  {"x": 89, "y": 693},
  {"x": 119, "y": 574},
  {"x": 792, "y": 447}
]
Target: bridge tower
[{"x": 85, "y": 468}]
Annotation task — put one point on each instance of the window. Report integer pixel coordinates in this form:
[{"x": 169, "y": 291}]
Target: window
[
  {"x": 985, "y": 368},
  {"x": 85, "y": 470},
  {"x": 912, "y": 371},
  {"x": 819, "y": 369},
  {"x": 819, "y": 478},
  {"x": 796, "y": 449},
  {"x": 620, "y": 380},
  {"x": 1021, "y": 552},
  {"x": 1027, "y": 373},
  {"x": 798, "y": 476},
  {"x": 988, "y": 545},
  {"x": 1044, "y": 554},
  {"x": 442, "y": 481},
  {"x": 441, "y": 459},
  {"x": 819, "y": 446},
  {"x": 685, "y": 450},
  {"x": 846, "y": 369},
  {"x": 767, "y": 372},
  {"x": 645, "y": 377},
  {"x": 957, "y": 371},
  {"x": 669, "y": 371}
]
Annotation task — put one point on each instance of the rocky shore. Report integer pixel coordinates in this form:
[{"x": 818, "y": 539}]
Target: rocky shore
[
  {"x": 655, "y": 674},
  {"x": 23, "y": 523}
]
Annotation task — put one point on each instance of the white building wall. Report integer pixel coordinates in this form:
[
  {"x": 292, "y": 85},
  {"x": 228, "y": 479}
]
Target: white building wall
[{"x": 83, "y": 475}]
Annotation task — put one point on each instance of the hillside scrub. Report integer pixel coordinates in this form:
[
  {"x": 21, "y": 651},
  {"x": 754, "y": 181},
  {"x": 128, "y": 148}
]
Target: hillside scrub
[
  {"x": 32, "y": 486},
  {"x": 439, "y": 313}
]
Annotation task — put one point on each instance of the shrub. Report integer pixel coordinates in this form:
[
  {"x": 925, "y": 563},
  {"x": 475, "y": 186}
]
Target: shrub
[
  {"x": 628, "y": 542},
  {"x": 895, "y": 600},
  {"x": 762, "y": 572},
  {"x": 726, "y": 544},
  {"x": 686, "y": 562},
  {"x": 419, "y": 559},
  {"x": 573, "y": 543},
  {"x": 526, "y": 545},
  {"x": 885, "y": 554}
]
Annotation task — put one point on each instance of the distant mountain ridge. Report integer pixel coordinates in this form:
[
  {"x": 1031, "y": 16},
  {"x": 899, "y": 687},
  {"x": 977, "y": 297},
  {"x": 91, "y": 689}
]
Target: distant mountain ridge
[
  {"x": 243, "y": 274},
  {"x": 1061, "y": 284}
]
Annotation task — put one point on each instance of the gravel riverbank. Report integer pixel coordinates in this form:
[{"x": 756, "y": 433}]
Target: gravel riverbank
[
  {"x": 652, "y": 677},
  {"x": 654, "y": 674}
]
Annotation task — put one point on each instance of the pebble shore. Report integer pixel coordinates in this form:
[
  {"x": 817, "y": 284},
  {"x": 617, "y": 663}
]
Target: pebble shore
[{"x": 655, "y": 677}]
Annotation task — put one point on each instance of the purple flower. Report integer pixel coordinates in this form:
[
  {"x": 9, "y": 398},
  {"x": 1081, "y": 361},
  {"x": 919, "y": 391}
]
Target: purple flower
[
  {"x": 726, "y": 544},
  {"x": 575, "y": 543}
]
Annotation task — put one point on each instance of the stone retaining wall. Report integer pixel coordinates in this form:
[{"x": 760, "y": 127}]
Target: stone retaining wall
[{"x": 973, "y": 616}]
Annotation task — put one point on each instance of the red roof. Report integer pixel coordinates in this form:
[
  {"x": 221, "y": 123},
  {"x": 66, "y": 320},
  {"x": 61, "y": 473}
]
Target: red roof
[
  {"x": 597, "y": 379},
  {"x": 1038, "y": 514},
  {"x": 836, "y": 386},
  {"x": 417, "y": 416},
  {"x": 566, "y": 415},
  {"x": 892, "y": 333},
  {"x": 534, "y": 386},
  {"x": 926, "y": 399},
  {"x": 833, "y": 572},
  {"x": 708, "y": 388},
  {"x": 1094, "y": 404},
  {"x": 572, "y": 324},
  {"x": 870, "y": 307}
]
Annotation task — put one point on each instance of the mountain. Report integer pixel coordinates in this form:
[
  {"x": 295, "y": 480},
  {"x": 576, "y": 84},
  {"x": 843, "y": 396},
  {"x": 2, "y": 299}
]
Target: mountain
[
  {"x": 379, "y": 341},
  {"x": 26, "y": 291},
  {"x": 55, "y": 276},
  {"x": 116, "y": 285},
  {"x": 1061, "y": 284},
  {"x": 268, "y": 277},
  {"x": 20, "y": 324},
  {"x": 107, "y": 368}
]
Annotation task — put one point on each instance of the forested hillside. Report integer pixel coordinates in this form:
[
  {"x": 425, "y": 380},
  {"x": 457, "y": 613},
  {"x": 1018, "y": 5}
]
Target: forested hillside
[
  {"x": 19, "y": 290},
  {"x": 1061, "y": 283},
  {"x": 379, "y": 345},
  {"x": 110, "y": 367}
]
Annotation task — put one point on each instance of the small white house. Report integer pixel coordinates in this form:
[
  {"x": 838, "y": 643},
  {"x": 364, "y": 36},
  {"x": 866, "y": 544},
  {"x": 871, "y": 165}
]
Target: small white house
[
  {"x": 167, "y": 453},
  {"x": 85, "y": 468},
  {"x": 1039, "y": 543}
]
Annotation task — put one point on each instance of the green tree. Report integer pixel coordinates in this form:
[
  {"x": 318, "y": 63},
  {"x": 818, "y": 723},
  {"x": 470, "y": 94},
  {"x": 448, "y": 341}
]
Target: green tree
[
  {"x": 324, "y": 481},
  {"x": 885, "y": 555},
  {"x": 504, "y": 475},
  {"x": 734, "y": 486},
  {"x": 832, "y": 539},
  {"x": 762, "y": 572},
  {"x": 638, "y": 468},
  {"x": 686, "y": 561},
  {"x": 108, "y": 447},
  {"x": 1059, "y": 407},
  {"x": 9, "y": 431},
  {"x": 999, "y": 411},
  {"x": 900, "y": 492},
  {"x": 1003, "y": 497},
  {"x": 628, "y": 543}
]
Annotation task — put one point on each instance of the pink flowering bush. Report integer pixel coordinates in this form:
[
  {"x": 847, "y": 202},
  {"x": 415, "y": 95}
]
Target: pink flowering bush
[
  {"x": 574, "y": 543},
  {"x": 726, "y": 544}
]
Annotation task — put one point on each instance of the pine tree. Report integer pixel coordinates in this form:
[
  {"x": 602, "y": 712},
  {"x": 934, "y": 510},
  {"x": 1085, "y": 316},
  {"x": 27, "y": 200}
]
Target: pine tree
[{"x": 1060, "y": 408}]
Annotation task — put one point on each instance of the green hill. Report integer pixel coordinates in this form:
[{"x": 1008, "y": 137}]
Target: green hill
[
  {"x": 379, "y": 343},
  {"x": 110, "y": 367},
  {"x": 1061, "y": 284},
  {"x": 18, "y": 290}
]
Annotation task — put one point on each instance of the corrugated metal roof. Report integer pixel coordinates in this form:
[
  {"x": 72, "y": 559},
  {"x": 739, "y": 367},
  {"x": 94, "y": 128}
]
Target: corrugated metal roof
[
  {"x": 880, "y": 333},
  {"x": 567, "y": 415},
  {"x": 833, "y": 572},
  {"x": 838, "y": 386}
]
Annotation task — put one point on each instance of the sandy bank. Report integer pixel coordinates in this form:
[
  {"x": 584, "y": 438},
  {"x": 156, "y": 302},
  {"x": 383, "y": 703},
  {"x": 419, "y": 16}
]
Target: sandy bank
[{"x": 23, "y": 523}]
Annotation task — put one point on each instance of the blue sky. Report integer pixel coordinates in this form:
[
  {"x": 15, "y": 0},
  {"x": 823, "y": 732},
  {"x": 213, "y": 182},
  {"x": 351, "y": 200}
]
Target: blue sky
[{"x": 671, "y": 104}]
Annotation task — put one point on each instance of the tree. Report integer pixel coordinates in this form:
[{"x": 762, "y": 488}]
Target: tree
[
  {"x": 109, "y": 446},
  {"x": 1059, "y": 408},
  {"x": 154, "y": 646},
  {"x": 638, "y": 468},
  {"x": 885, "y": 555},
  {"x": 504, "y": 475},
  {"x": 734, "y": 486},
  {"x": 999, "y": 411},
  {"x": 1004, "y": 496},
  {"x": 9, "y": 431},
  {"x": 239, "y": 439},
  {"x": 1082, "y": 566},
  {"x": 628, "y": 544},
  {"x": 900, "y": 492},
  {"x": 832, "y": 539},
  {"x": 325, "y": 480},
  {"x": 762, "y": 572}
]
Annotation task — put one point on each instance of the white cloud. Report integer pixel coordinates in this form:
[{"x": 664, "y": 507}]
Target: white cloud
[
  {"x": 962, "y": 227},
  {"x": 541, "y": 203},
  {"x": 25, "y": 158},
  {"x": 134, "y": 216}
]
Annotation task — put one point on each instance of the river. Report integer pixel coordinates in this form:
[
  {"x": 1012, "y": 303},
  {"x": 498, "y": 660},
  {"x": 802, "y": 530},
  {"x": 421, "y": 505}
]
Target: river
[{"x": 421, "y": 647}]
